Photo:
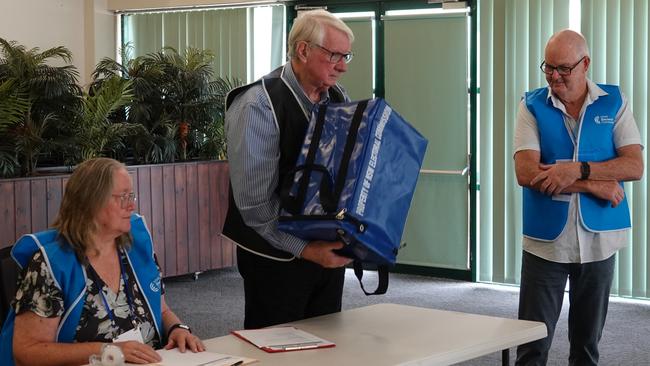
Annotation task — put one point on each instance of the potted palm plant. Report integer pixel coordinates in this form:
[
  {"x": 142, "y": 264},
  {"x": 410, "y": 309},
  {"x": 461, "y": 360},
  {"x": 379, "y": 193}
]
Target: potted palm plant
[
  {"x": 95, "y": 134},
  {"x": 156, "y": 142},
  {"x": 14, "y": 103},
  {"x": 190, "y": 97},
  {"x": 47, "y": 94},
  {"x": 178, "y": 101},
  {"x": 150, "y": 109},
  {"x": 194, "y": 100}
]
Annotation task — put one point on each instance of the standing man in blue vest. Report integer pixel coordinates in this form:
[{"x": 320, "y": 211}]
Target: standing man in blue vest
[
  {"x": 285, "y": 278},
  {"x": 575, "y": 143}
]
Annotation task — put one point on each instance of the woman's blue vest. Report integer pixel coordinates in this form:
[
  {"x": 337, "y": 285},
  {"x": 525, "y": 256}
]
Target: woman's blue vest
[
  {"x": 545, "y": 217},
  {"x": 70, "y": 277}
]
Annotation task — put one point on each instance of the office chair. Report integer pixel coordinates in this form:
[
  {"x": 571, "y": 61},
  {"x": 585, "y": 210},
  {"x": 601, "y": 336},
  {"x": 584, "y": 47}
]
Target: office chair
[{"x": 9, "y": 271}]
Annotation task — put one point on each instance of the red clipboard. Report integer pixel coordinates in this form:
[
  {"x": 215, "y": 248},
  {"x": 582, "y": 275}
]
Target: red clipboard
[{"x": 282, "y": 339}]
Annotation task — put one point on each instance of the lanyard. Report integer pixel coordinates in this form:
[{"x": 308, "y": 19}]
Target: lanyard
[{"x": 96, "y": 280}]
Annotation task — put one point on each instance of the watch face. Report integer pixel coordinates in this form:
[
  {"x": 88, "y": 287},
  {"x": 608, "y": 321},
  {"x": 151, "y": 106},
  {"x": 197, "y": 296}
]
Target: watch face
[{"x": 584, "y": 170}]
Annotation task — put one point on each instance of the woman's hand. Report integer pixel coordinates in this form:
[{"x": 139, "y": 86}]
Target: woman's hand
[
  {"x": 179, "y": 337},
  {"x": 136, "y": 352},
  {"x": 183, "y": 339}
]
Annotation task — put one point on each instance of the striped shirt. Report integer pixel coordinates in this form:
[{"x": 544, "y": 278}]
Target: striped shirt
[{"x": 254, "y": 152}]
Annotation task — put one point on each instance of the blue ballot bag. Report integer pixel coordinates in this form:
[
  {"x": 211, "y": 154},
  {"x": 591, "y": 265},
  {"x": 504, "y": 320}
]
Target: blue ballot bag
[{"x": 354, "y": 181}]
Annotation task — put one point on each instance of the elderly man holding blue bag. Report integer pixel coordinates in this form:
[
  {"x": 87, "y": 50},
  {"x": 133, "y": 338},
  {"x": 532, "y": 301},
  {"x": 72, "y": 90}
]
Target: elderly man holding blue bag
[{"x": 285, "y": 278}]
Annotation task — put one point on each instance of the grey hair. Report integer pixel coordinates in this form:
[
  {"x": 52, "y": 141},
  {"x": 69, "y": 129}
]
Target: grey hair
[
  {"x": 310, "y": 26},
  {"x": 86, "y": 192}
]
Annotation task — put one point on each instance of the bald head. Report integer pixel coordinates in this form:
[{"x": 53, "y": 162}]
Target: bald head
[
  {"x": 569, "y": 42},
  {"x": 567, "y": 56}
]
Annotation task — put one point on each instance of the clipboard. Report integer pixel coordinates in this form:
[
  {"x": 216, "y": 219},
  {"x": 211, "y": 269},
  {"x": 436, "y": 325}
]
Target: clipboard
[{"x": 282, "y": 339}]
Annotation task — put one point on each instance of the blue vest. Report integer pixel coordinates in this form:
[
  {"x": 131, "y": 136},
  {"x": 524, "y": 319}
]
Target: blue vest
[
  {"x": 545, "y": 217},
  {"x": 70, "y": 277}
]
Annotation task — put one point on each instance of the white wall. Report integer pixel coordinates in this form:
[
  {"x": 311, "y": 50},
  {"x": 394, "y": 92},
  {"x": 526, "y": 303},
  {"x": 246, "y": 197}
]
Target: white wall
[
  {"x": 85, "y": 27},
  {"x": 102, "y": 33}
]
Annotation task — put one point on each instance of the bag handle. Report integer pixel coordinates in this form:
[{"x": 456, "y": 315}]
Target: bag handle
[
  {"x": 345, "y": 158},
  {"x": 382, "y": 272},
  {"x": 329, "y": 198},
  {"x": 293, "y": 204}
]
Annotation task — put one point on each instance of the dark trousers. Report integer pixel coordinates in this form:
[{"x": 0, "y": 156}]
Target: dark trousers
[
  {"x": 279, "y": 292},
  {"x": 540, "y": 298}
]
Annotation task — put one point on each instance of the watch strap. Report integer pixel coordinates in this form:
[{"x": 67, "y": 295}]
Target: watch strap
[
  {"x": 178, "y": 325},
  {"x": 585, "y": 170}
]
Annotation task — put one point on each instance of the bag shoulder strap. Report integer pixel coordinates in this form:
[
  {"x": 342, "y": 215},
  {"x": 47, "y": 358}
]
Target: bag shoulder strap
[{"x": 330, "y": 203}]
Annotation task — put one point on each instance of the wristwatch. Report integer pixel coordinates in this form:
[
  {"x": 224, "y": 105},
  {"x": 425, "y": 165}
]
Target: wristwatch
[
  {"x": 178, "y": 325},
  {"x": 585, "y": 170}
]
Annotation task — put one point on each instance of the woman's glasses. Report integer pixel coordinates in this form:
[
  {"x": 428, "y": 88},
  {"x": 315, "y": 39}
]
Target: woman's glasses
[{"x": 126, "y": 199}]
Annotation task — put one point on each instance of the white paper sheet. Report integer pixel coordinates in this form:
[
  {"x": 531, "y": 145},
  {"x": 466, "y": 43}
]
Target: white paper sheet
[{"x": 174, "y": 357}]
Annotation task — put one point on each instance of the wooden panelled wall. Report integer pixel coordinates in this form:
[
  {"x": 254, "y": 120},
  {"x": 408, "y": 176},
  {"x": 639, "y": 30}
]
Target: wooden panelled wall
[{"x": 183, "y": 204}]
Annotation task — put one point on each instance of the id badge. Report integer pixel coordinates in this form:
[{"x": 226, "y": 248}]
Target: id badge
[{"x": 132, "y": 335}]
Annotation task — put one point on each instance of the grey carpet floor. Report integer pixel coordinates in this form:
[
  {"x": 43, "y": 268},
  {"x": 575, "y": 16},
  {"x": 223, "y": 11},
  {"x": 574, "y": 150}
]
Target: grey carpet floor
[{"x": 214, "y": 305}]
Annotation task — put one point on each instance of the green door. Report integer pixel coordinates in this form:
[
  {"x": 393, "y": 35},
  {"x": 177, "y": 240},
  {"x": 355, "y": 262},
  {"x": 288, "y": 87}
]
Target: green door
[
  {"x": 426, "y": 81},
  {"x": 358, "y": 80}
]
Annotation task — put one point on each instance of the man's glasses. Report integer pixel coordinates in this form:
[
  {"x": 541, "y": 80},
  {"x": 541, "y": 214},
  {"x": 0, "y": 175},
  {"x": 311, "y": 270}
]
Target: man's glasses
[
  {"x": 126, "y": 199},
  {"x": 562, "y": 70},
  {"x": 335, "y": 57}
]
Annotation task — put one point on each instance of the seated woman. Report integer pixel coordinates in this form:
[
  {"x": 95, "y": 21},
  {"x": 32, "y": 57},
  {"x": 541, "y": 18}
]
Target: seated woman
[{"x": 92, "y": 279}]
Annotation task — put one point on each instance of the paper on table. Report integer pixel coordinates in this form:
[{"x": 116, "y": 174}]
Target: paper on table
[
  {"x": 281, "y": 339},
  {"x": 174, "y": 357}
]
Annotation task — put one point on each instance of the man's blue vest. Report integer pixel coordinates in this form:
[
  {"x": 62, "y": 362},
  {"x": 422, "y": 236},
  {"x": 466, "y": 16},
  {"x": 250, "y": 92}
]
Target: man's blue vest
[
  {"x": 70, "y": 277},
  {"x": 545, "y": 217}
]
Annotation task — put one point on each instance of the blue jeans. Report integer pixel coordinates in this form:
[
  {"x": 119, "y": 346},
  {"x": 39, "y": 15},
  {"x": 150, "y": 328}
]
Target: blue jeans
[{"x": 540, "y": 299}]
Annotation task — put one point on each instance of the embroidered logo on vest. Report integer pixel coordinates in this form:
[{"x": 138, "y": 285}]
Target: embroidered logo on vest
[
  {"x": 155, "y": 285},
  {"x": 604, "y": 119}
]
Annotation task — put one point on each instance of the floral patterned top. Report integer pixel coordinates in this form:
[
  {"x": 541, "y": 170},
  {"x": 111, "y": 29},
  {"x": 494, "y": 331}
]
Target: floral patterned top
[{"x": 37, "y": 292}]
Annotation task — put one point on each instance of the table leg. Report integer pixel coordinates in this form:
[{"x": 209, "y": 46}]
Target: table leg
[{"x": 505, "y": 357}]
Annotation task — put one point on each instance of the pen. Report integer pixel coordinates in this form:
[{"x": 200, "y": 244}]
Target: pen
[
  {"x": 237, "y": 363},
  {"x": 213, "y": 361},
  {"x": 299, "y": 347},
  {"x": 295, "y": 345}
]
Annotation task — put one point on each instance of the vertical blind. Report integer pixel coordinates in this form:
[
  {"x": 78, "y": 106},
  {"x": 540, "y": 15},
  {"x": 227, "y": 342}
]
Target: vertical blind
[
  {"x": 617, "y": 35},
  {"x": 223, "y": 31},
  {"x": 512, "y": 39}
]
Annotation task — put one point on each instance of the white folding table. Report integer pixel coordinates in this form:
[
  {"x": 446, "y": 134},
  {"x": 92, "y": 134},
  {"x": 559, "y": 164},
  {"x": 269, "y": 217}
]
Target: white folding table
[{"x": 391, "y": 334}]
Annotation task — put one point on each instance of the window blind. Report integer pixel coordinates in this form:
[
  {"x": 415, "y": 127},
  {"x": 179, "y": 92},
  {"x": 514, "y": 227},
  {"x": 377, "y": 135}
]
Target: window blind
[
  {"x": 617, "y": 35},
  {"x": 512, "y": 39}
]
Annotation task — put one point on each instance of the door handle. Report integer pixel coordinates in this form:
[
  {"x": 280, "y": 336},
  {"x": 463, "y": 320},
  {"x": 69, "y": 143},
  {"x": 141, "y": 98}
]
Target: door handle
[{"x": 464, "y": 171}]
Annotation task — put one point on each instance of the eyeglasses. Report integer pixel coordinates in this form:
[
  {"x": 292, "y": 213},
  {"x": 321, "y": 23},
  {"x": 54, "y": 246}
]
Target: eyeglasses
[
  {"x": 126, "y": 199},
  {"x": 335, "y": 57},
  {"x": 562, "y": 70}
]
